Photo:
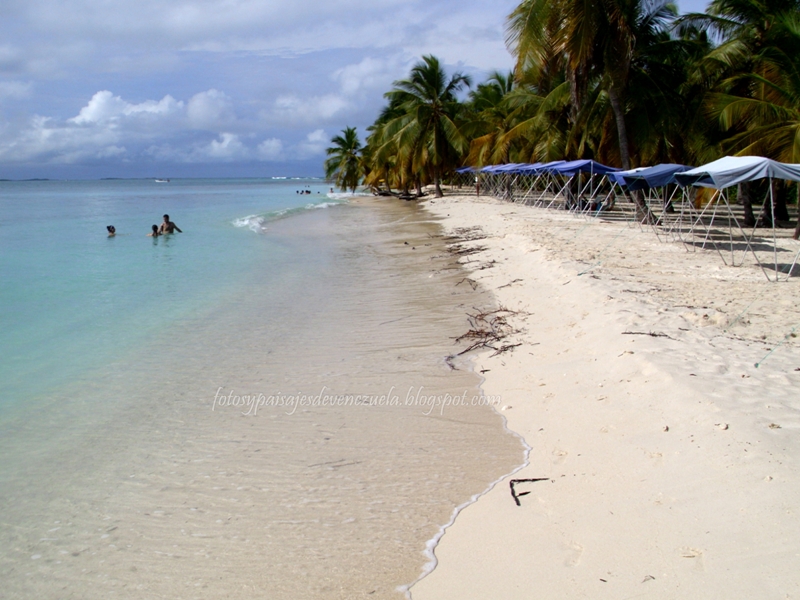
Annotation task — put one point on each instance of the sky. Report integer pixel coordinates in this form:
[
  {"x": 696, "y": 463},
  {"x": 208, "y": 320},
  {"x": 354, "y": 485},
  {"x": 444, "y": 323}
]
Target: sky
[{"x": 217, "y": 88}]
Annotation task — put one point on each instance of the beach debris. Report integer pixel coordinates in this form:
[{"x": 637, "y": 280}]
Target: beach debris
[
  {"x": 650, "y": 333},
  {"x": 666, "y": 428},
  {"x": 509, "y": 284},
  {"x": 467, "y": 234},
  {"x": 722, "y": 426},
  {"x": 516, "y": 495},
  {"x": 473, "y": 284},
  {"x": 774, "y": 426},
  {"x": 648, "y": 578},
  {"x": 487, "y": 329},
  {"x": 463, "y": 250}
]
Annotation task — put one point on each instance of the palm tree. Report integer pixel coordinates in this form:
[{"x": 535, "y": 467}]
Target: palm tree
[
  {"x": 344, "y": 163},
  {"x": 427, "y": 133},
  {"x": 595, "y": 43},
  {"x": 490, "y": 119},
  {"x": 755, "y": 95}
]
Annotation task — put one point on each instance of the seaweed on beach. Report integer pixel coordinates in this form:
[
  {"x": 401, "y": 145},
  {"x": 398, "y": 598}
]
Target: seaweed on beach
[
  {"x": 464, "y": 250},
  {"x": 467, "y": 234},
  {"x": 487, "y": 330}
]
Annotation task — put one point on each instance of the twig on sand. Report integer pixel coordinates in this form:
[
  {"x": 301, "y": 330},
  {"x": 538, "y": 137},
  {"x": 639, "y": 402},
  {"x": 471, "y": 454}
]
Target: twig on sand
[
  {"x": 650, "y": 333},
  {"x": 504, "y": 348},
  {"x": 514, "y": 482},
  {"x": 509, "y": 284},
  {"x": 471, "y": 282}
]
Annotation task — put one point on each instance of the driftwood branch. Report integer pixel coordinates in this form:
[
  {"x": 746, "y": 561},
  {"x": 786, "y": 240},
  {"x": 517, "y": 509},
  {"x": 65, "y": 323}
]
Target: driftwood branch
[
  {"x": 509, "y": 284},
  {"x": 650, "y": 333},
  {"x": 514, "y": 482}
]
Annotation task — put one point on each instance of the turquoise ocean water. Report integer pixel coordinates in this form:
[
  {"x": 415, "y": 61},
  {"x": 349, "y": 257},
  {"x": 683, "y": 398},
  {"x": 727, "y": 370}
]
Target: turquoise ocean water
[
  {"x": 124, "y": 472},
  {"x": 73, "y": 298}
]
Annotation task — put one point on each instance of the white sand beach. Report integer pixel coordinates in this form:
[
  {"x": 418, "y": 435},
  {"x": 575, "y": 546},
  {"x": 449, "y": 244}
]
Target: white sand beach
[{"x": 667, "y": 463}]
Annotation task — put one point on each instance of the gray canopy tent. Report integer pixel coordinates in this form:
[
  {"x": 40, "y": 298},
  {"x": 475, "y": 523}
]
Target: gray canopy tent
[{"x": 723, "y": 174}]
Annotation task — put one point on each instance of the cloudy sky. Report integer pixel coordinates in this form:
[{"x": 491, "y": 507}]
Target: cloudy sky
[{"x": 171, "y": 88}]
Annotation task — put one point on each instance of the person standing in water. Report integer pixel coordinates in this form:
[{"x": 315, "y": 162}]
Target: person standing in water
[
  {"x": 154, "y": 233},
  {"x": 112, "y": 231},
  {"x": 168, "y": 226}
]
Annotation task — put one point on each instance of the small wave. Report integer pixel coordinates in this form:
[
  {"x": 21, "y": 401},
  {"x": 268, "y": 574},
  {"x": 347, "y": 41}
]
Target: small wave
[
  {"x": 259, "y": 223},
  {"x": 346, "y": 195},
  {"x": 253, "y": 222}
]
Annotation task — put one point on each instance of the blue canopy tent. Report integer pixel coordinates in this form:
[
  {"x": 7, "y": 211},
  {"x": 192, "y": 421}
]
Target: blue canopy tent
[
  {"x": 498, "y": 179},
  {"x": 569, "y": 176},
  {"x": 660, "y": 188},
  {"x": 722, "y": 174},
  {"x": 536, "y": 176},
  {"x": 531, "y": 177},
  {"x": 652, "y": 177}
]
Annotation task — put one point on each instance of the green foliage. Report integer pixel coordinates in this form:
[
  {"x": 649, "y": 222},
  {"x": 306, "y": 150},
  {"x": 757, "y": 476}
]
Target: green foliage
[
  {"x": 343, "y": 164},
  {"x": 625, "y": 82}
]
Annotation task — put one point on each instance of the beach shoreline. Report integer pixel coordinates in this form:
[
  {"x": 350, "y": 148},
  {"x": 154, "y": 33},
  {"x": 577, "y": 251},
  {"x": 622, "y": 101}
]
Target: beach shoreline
[
  {"x": 281, "y": 440},
  {"x": 663, "y": 462}
]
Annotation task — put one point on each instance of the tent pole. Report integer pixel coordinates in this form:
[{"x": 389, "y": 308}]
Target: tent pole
[
  {"x": 794, "y": 262},
  {"x": 774, "y": 234}
]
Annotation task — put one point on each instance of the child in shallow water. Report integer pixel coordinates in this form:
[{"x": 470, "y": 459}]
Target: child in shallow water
[
  {"x": 154, "y": 233},
  {"x": 112, "y": 231}
]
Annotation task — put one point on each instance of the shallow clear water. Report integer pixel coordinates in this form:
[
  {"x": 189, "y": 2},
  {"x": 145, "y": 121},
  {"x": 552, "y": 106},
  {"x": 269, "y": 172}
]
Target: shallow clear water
[
  {"x": 125, "y": 474},
  {"x": 72, "y": 297}
]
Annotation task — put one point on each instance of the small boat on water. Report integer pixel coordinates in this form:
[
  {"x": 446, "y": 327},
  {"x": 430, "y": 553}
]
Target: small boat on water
[{"x": 162, "y": 180}]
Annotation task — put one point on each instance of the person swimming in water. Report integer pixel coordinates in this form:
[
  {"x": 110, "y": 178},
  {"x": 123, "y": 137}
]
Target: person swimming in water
[
  {"x": 112, "y": 231},
  {"x": 168, "y": 226},
  {"x": 154, "y": 233}
]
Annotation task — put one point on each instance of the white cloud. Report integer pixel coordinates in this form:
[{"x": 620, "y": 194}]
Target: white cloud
[
  {"x": 208, "y": 110},
  {"x": 369, "y": 74},
  {"x": 14, "y": 89},
  {"x": 45, "y": 140},
  {"x": 294, "y": 109},
  {"x": 228, "y": 147},
  {"x": 314, "y": 144},
  {"x": 105, "y": 106},
  {"x": 270, "y": 149}
]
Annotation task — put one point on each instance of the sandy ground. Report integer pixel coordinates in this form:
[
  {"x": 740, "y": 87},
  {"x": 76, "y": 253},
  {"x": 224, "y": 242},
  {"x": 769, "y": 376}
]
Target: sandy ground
[{"x": 666, "y": 461}]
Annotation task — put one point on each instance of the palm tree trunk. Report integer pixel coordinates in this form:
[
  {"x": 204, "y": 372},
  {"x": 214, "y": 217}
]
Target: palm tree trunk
[
  {"x": 437, "y": 183},
  {"x": 743, "y": 192},
  {"x": 622, "y": 130},
  {"x": 643, "y": 212}
]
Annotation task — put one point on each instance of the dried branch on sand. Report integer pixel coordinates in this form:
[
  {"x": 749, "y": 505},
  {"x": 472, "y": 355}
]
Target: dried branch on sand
[{"x": 487, "y": 330}]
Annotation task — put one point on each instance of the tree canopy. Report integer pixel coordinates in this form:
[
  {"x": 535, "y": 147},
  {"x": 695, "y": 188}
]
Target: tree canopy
[{"x": 625, "y": 82}]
